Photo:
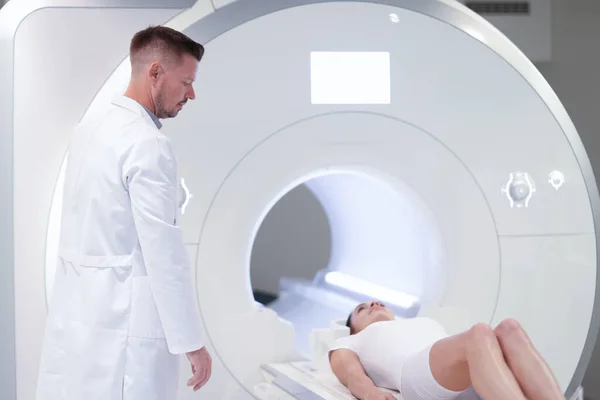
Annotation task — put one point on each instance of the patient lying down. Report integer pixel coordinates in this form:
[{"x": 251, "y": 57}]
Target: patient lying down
[{"x": 417, "y": 358}]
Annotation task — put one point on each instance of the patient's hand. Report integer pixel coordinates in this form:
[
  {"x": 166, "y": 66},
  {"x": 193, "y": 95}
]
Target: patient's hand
[
  {"x": 377, "y": 394},
  {"x": 347, "y": 367}
]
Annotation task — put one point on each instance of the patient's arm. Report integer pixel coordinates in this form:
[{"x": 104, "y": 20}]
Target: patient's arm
[{"x": 348, "y": 369}]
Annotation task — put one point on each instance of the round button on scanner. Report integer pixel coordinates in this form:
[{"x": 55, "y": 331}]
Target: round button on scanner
[{"x": 519, "y": 189}]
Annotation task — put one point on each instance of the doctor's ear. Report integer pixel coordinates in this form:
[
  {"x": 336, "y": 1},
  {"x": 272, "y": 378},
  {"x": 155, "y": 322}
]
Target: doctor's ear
[{"x": 155, "y": 71}]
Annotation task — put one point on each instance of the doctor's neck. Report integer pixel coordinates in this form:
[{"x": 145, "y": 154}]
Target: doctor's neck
[{"x": 141, "y": 93}]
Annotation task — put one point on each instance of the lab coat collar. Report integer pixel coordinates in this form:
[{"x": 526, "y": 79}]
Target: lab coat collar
[
  {"x": 153, "y": 117},
  {"x": 134, "y": 106}
]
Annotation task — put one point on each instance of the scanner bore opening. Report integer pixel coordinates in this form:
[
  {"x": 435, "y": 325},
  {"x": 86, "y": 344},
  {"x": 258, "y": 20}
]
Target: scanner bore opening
[{"x": 341, "y": 237}]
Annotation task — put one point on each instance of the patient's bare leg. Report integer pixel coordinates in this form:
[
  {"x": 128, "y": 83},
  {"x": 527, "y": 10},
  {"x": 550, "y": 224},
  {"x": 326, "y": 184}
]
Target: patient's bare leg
[
  {"x": 474, "y": 358},
  {"x": 528, "y": 366},
  {"x": 448, "y": 362}
]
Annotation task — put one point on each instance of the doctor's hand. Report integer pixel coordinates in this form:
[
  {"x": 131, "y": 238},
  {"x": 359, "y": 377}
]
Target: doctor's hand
[{"x": 201, "y": 368}]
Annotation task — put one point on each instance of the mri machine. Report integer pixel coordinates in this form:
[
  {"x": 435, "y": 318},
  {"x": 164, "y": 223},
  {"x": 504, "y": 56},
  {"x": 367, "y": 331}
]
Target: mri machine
[{"x": 454, "y": 181}]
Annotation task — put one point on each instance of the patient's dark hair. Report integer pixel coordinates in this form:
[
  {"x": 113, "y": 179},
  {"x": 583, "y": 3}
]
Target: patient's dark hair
[{"x": 349, "y": 323}]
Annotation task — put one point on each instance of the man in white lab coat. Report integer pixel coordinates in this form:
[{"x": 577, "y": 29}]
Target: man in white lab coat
[{"x": 123, "y": 306}]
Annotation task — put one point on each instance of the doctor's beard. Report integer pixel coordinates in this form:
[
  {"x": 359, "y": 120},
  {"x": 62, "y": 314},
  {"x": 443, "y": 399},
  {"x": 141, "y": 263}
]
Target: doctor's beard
[
  {"x": 160, "y": 106},
  {"x": 161, "y": 110}
]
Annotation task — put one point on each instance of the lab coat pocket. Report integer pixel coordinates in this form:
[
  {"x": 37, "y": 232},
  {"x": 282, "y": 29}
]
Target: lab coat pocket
[{"x": 144, "y": 322}]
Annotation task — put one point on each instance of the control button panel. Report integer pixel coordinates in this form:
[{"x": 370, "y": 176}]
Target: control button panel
[{"x": 519, "y": 189}]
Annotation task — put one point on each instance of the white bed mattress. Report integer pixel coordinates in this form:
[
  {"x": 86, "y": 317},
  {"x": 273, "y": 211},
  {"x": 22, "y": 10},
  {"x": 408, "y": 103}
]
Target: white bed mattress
[{"x": 301, "y": 381}]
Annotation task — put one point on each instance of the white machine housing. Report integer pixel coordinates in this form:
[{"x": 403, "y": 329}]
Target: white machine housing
[{"x": 479, "y": 155}]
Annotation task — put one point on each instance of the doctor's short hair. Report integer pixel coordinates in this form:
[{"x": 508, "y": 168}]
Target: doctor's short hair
[{"x": 160, "y": 41}]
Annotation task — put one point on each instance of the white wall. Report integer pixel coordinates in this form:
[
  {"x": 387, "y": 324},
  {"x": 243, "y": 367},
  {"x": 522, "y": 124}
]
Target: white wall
[{"x": 573, "y": 73}]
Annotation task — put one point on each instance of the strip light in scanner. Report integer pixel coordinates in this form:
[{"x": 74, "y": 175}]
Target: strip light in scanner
[{"x": 371, "y": 290}]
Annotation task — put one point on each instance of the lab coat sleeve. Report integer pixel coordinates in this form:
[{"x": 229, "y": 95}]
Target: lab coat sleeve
[{"x": 150, "y": 175}]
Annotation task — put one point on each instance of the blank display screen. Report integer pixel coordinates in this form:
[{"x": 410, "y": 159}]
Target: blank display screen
[{"x": 339, "y": 77}]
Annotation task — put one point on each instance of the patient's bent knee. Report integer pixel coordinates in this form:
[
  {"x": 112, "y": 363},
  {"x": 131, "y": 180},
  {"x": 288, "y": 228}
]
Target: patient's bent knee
[
  {"x": 511, "y": 324},
  {"x": 481, "y": 331},
  {"x": 508, "y": 327},
  {"x": 480, "y": 339}
]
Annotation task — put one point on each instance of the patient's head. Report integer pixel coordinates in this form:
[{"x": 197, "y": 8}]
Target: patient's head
[{"x": 367, "y": 313}]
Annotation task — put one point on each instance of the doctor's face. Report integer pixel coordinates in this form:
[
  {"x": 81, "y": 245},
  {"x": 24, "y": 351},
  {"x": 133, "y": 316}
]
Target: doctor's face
[
  {"x": 367, "y": 313},
  {"x": 174, "y": 87}
]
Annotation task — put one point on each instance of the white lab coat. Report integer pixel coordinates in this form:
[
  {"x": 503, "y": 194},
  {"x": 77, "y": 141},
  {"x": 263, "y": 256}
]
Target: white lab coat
[{"x": 123, "y": 305}]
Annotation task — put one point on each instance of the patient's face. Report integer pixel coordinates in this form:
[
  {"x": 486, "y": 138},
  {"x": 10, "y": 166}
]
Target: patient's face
[{"x": 367, "y": 313}]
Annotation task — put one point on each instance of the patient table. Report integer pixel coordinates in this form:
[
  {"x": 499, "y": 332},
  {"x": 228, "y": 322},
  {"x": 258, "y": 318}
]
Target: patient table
[{"x": 314, "y": 379}]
